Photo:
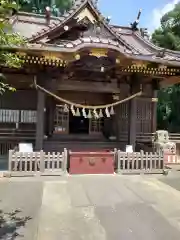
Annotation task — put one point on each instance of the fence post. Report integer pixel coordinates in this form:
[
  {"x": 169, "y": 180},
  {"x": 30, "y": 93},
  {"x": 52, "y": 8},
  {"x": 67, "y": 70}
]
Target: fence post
[
  {"x": 142, "y": 160},
  {"x": 115, "y": 157},
  {"x": 65, "y": 156},
  {"x": 42, "y": 163},
  {"x": 118, "y": 161},
  {"x": 162, "y": 161},
  {"x": 10, "y": 160}
]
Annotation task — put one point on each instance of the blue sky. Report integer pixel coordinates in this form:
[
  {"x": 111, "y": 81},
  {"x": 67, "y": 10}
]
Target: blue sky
[{"x": 123, "y": 12}]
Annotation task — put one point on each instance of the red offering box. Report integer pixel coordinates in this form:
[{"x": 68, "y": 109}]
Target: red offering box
[{"x": 91, "y": 163}]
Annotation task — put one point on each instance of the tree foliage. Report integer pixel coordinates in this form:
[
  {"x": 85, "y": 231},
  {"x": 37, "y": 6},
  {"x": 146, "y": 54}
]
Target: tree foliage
[
  {"x": 168, "y": 36},
  {"x": 58, "y": 7},
  {"x": 8, "y": 39}
]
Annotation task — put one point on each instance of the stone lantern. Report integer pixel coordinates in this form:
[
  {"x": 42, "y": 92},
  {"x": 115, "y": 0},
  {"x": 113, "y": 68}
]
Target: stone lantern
[{"x": 162, "y": 144}]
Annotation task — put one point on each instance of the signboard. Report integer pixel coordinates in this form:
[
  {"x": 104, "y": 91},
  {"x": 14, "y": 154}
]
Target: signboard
[
  {"x": 129, "y": 148},
  {"x": 25, "y": 147}
]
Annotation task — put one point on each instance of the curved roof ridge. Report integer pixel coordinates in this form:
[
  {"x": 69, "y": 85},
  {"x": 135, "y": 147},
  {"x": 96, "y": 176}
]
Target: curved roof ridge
[
  {"x": 22, "y": 13},
  {"x": 120, "y": 26},
  {"x": 155, "y": 47}
]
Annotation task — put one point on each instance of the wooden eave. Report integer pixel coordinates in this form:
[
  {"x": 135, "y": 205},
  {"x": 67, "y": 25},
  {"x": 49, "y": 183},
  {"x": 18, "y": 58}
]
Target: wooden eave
[{"x": 60, "y": 55}]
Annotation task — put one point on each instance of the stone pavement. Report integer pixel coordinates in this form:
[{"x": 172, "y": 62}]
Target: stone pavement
[{"x": 89, "y": 207}]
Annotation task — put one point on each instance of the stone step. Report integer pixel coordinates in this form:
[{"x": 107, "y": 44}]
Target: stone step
[
  {"x": 77, "y": 137},
  {"x": 54, "y": 146}
]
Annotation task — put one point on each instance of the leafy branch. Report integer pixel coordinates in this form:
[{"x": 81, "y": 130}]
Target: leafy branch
[{"x": 9, "y": 39}]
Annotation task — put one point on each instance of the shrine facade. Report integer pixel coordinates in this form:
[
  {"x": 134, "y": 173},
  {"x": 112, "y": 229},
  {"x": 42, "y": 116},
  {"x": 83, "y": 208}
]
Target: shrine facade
[{"x": 82, "y": 76}]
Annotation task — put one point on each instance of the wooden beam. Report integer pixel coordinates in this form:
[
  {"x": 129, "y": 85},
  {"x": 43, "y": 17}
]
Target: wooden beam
[
  {"x": 88, "y": 86},
  {"x": 170, "y": 81}
]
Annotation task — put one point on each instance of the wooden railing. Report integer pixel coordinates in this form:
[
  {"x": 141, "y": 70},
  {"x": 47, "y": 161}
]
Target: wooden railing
[
  {"x": 12, "y": 133},
  {"x": 139, "y": 162},
  {"x": 10, "y": 138},
  {"x": 30, "y": 164},
  {"x": 5, "y": 146},
  {"x": 174, "y": 137},
  {"x": 148, "y": 137}
]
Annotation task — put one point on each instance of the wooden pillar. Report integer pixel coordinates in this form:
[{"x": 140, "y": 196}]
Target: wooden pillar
[
  {"x": 154, "y": 111},
  {"x": 51, "y": 115},
  {"x": 40, "y": 120},
  {"x": 132, "y": 114},
  {"x": 50, "y": 111},
  {"x": 155, "y": 88},
  {"x": 117, "y": 119},
  {"x": 132, "y": 123}
]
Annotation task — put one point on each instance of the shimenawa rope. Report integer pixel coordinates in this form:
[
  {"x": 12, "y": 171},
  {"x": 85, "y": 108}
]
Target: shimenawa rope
[{"x": 77, "y": 105}]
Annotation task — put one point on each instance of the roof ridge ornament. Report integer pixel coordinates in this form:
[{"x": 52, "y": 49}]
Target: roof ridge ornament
[
  {"x": 134, "y": 25},
  {"x": 95, "y": 2},
  {"x": 161, "y": 53},
  {"x": 48, "y": 14}
]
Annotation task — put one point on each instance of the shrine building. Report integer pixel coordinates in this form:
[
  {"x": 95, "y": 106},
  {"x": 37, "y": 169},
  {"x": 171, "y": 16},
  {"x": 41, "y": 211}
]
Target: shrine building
[{"x": 83, "y": 81}]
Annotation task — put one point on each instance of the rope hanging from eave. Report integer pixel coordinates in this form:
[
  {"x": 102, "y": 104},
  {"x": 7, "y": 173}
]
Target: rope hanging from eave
[{"x": 77, "y": 105}]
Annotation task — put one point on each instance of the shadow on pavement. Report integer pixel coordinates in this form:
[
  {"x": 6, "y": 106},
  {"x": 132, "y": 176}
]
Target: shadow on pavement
[{"x": 10, "y": 223}]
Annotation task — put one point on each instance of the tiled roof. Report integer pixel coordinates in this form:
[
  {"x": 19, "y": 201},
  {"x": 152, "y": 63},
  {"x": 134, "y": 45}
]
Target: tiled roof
[
  {"x": 29, "y": 24},
  {"x": 34, "y": 28},
  {"x": 39, "y": 29}
]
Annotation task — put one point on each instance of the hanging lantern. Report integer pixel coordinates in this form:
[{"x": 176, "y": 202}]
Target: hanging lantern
[
  {"x": 89, "y": 114},
  {"x": 78, "y": 112},
  {"x": 73, "y": 111},
  {"x": 100, "y": 113},
  {"x": 66, "y": 109},
  {"x": 95, "y": 113},
  {"x": 107, "y": 112},
  {"x": 112, "y": 111},
  {"x": 84, "y": 113}
]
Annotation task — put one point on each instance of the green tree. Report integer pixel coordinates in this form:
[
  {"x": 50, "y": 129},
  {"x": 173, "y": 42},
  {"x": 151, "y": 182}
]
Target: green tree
[
  {"x": 58, "y": 7},
  {"x": 7, "y": 40},
  {"x": 168, "y": 36}
]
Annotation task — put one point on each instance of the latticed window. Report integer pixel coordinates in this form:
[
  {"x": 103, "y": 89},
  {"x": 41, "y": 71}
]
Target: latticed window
[
  {"x": 61, "y": 119},
  {"x": 28, "y": 116},
  {"x": 9, "y": 116},
  {"x": 96, "y": 125},
  {"x": 16, "y": 116},
  {"x": 143, "y": 115},
  {"x": 123, "y": 117}
]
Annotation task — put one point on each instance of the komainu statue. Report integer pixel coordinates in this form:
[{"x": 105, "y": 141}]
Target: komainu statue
[{"x": 162, "y": 144}]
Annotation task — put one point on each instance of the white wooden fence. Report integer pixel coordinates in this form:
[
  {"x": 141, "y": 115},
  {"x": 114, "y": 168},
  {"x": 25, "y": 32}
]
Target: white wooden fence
[
  {"x": 41, "y": 163},
  {"x": 139, "y": 162},
  {"x": 37, "y": 163}
]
